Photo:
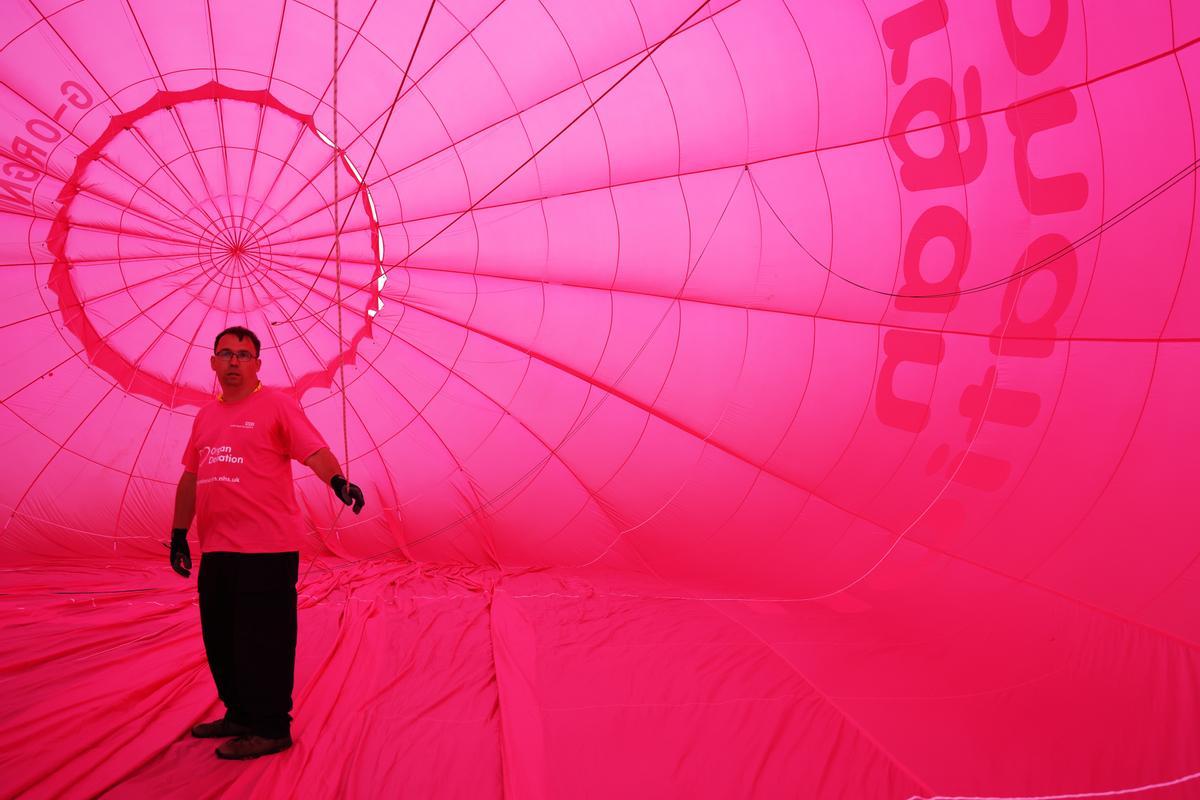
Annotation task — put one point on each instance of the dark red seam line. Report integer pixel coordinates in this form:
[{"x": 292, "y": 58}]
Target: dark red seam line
[
  {"x": 178, "y": 124},
  {"x": 225, "y": 161},
  {"x": 404, "y": 75},
  {"x": 705, "y": 301},
  {"x": 342, "y": 62},
  {"x": 1178, "y": 288},
  {"x": 262, "y": 114},
  {"x": 336, "y": 160},
  {"x": 283, "y": 164},
  {"x": 580, "y": 84},
  {"x": 312, "y": 116},
  {"x": 554, "y": 138},
  {"x": 338, "y": 157},
  {"x": 93, "y": 190},
  {"x": 419, "y": 412},
  {"x": 78, "y": 352},
  {"x": 143, "y": 140},
  {"x": 793, "y": 154},
  {"x": 103, "y": 160}
]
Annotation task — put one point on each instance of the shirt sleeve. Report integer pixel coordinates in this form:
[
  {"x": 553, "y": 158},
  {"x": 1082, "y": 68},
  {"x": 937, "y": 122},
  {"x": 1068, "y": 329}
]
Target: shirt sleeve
[
  {"x": 300, "y": 437},
  {"x": 191, "y": 458}
]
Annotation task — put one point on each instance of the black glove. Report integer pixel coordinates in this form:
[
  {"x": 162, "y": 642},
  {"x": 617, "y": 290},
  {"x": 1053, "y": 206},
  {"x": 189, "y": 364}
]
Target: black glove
[
  {"x": 347, "y": 492},
  {"x": 181, "y": 556}
]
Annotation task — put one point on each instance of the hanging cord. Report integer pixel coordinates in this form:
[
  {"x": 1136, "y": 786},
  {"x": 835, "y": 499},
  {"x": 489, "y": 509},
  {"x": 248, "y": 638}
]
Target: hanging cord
[
  {"x": 337, "y": 242},
  {"x": 337, "y": 260}
]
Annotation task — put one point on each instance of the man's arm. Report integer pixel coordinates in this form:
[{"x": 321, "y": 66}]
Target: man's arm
[
  {"x": 185, "y": 509},
  {"x": 185, "y": 500},
  {"x": 324, "y": 463}
]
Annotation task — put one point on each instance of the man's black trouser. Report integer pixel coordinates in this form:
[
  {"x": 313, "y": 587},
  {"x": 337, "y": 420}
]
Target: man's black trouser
[{"x": 248, "y": 620}]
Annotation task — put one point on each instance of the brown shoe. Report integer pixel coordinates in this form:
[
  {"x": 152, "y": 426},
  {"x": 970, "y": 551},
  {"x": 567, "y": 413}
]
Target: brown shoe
[
  {"x": 252, "y": 747},
  {"x": 218, "y": 729}
]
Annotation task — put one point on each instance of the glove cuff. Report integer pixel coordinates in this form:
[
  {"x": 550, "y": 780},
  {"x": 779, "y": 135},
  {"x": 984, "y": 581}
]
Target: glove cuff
[
  {"x": 179, "y": 533},
  {"x": 337, "y": 482}
]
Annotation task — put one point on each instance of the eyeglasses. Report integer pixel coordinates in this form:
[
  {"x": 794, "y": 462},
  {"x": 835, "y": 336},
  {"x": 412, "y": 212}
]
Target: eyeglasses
[{"x": 240, "y": 355}]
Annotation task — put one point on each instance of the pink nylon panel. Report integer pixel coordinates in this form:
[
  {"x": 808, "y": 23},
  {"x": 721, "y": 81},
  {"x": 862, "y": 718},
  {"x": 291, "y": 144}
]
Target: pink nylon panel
[{"x": 752, "y": 398}]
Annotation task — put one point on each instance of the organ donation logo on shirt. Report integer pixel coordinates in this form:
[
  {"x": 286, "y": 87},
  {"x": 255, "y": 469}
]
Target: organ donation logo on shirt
[
  {"x": 245, "y": 500},
  {"x": 220, "y": 454}
]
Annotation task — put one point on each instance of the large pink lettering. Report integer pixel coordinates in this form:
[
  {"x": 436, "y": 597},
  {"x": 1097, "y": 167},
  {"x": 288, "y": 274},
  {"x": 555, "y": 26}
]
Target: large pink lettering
[
  {"x": 1035, "y": 338},
  {"x": 1032, "y": 54},
  {"x": 997, "y": 404},
  {"x": 901, "y": 347},
  {"x": 1058, "y": 193},
  {"x": 902, "y": 29},
  {"x": 937, "y": 222},
  {"x": 953, "y": 165}
]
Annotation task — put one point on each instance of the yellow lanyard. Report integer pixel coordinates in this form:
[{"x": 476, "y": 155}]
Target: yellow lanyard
[{"x": 221, "y": 396}]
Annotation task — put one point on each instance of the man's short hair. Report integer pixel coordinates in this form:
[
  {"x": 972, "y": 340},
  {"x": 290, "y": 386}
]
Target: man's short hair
[{"x": 240, "y": 333}]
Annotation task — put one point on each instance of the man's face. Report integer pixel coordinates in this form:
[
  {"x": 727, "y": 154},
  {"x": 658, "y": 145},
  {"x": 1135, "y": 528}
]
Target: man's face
[{"x": 234, "y": 373}]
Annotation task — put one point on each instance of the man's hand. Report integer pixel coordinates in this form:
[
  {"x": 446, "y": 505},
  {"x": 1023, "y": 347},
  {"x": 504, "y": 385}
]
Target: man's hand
[
  {"x": 181, "y": 555},
  {"x": 347, "y": 492}
]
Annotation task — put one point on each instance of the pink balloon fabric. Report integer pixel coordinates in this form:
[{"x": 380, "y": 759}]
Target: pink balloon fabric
[{"x": 752, "y": 398}]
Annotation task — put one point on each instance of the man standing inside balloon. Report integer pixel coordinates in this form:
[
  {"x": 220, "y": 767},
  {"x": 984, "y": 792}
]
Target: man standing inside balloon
[{"x": 237, "y": 481}]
